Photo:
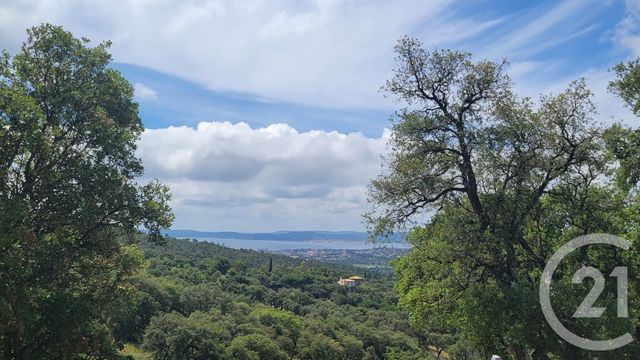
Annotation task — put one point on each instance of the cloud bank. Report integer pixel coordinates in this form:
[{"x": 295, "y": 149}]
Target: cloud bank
[
  {"x": 228, "y": 176},
  {"x": 326, "y": 53},
  {"x": 314, "y": 52}
]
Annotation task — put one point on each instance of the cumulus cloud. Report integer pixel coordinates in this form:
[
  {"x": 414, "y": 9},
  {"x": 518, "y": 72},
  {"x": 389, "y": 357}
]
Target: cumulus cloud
[
  {"x": 143, "y": 91},
  {"x": 232, "y": 176}
]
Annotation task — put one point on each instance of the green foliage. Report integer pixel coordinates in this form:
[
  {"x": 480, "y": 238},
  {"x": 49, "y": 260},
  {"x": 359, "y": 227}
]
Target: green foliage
[
  {"x": 623, "y": 144},
  {"x": 135, "y": 353},
  {"x": 627, "y": 84},
  {"x": 68, "y": 196},
  {"x": 353, "y": 347},
  {"x": 255, "y": 347},
  {"x": 172, "y": 336},
  {"x": 506, "y": 183},
  {"x": 184, "y": 307},
  {"x": 320, "y": 347}
]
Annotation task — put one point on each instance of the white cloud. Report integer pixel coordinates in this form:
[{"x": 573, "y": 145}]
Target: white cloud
[
  {"x": 522, "y": 38},
  {"x": 322, "y": 52},
  {"x": 535, "y": 78},
  {"x": 627, "y": 33},
  {"x": 319, "y": 52},
  {"x": 230, "y": 176},
  {"x": 143, "y": 91}
]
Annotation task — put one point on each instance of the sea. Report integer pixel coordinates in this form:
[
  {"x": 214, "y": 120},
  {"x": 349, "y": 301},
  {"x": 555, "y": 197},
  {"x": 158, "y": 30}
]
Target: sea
[{"x": 275, "y": 245}]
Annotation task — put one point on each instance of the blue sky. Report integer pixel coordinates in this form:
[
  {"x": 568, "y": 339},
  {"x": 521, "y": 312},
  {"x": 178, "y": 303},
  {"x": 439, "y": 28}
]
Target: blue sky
[
  {"x": 545, "y": 40},
  {"x": 180, "y": 102},
  {"x": 266, "y": 115}
]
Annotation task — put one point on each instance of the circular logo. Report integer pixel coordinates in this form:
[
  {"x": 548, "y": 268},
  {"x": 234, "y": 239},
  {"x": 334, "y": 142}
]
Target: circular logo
[{"x": 584, "y": 310}]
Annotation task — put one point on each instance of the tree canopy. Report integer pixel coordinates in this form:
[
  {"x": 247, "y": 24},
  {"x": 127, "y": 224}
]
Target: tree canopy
[
  {"x": 500, "y": 183},
  {"x": 186, "y": 308},
  {"x": 69, "y": 200},
  {"x": 627, "y": 83}
]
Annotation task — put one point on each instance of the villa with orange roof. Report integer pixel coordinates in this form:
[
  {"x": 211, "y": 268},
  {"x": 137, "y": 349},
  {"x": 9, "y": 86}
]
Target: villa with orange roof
[{"x": 351, "y": 281}]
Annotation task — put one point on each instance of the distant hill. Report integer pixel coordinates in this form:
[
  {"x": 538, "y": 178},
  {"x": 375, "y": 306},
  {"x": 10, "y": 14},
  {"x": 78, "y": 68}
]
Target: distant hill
[{"x": 278, "y": 235}]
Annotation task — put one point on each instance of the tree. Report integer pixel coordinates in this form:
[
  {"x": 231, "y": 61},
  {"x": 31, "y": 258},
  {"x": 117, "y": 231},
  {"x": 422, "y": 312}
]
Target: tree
[
  {"x": 321, "y": 347},
  {"x": 489, "y": 173},
  {"x": 223, "y": 265},
  {"x": 353, "y": 348},
  {"x": 622, "y": 142},
  {"x": 255, "y": 347},
  {"x": 282, "y": 321},
  {"x": 172, "y": 336},
  {"x": 68, "y": 195},
  {"x": 131, "y": 316},
  {"x": 627, "y": 84}
]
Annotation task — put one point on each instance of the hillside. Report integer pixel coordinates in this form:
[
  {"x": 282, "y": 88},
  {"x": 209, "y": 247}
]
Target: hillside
[{"x": 198, "y": 300}]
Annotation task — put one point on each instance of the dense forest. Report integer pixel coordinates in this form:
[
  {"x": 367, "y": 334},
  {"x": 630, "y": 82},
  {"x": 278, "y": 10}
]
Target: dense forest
[{"x": 197, "y": 300}]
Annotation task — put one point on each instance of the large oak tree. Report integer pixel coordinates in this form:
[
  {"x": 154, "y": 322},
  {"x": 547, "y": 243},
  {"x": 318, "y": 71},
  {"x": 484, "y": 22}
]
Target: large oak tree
[
  {"x": 490, "y": 185},
  {"x": 69, "y": 200}
]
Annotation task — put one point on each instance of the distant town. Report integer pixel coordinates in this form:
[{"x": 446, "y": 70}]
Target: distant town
[{"x": 376, "y": 258}]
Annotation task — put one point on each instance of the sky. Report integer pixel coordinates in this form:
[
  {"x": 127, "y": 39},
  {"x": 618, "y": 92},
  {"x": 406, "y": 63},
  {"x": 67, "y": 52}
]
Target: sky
[{"x": 267, "y": 115}]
